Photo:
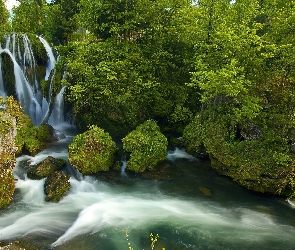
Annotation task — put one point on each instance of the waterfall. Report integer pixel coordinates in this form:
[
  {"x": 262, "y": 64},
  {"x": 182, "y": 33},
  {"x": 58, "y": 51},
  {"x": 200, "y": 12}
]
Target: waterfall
[
  {"x": 27, "y": 81},
  {"x": 57, "y": 115},
  {"x": 2, "y": 90},
  {"x": 51, "y": 61}
]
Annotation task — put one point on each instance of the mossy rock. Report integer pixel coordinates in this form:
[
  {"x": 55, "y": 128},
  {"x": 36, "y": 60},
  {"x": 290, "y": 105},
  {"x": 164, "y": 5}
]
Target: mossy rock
[
  {"x": 29, "y": 139},
  {"x": 45, "y": 168},
  {"x": 92, "y": 151},
  {"x": 7, "y": 186},
  {"x": 147, "y": 147},
  {"x": 56, "y": 185}
]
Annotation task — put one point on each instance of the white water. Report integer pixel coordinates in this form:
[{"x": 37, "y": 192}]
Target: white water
[
  {"x": 179, "y": 154},
  {"x": 27, "y": 85},
  {"x": 94, "y": 212},
  {"x": 2, "y": 90},
  {"x": 57, "y": 115},
  {"x": 51, "y": 61}
]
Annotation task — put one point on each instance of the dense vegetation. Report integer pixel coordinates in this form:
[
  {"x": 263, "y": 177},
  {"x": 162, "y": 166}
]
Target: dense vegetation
[{"x": 221, "y": 71}]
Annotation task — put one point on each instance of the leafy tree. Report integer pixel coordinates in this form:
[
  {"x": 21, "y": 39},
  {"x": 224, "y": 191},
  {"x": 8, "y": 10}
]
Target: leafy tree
[
  {"x": 246, "y": 121},
  {"x": 61, "y": 21},
  {"x": 28, "y": 17},
  {"x": 4, "y": 16}
]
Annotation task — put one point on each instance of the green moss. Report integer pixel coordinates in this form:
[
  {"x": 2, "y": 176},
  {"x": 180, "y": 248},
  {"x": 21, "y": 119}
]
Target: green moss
[
  {"x": 7, "y": 186},
  {"x": 147, "y": 147},
  {"x": 92, "y": 151},
  {"x": 45, "y": 168},
  {"x": 56, "y": 186},
  {"x": 264, "y": 164}
]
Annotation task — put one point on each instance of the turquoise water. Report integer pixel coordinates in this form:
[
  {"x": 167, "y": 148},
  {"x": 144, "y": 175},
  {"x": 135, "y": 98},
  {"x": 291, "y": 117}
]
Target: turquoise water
[{"x": 192, "y": 209}]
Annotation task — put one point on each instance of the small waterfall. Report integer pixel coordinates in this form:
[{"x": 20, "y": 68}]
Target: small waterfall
[
  {"x": 2, "y": 90},
  {"x": 57, "y": 115},
  {"x": 51, "y": 61}
]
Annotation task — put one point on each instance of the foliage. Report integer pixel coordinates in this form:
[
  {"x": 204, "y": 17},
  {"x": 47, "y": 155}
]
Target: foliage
[
  {"x": 32, "y": 139},
  {"x": 28, "y": 17},
  {"x": 125, "y": 79},
  {"x": 92, "y": 151},
  {"x": 147, "y": 147},
  {"x": 5, "y": 26},
  {"x": 246, "y": 86}
]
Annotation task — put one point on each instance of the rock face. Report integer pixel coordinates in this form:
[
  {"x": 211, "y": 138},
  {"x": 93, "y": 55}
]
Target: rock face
[
  {"x": 7, "y": 157},
  {"x": 45, "y": 168},
  {"x": 147, "y": 147},
  {"x": 92, "y": 151},
  {"x": 56, "y": 185}
]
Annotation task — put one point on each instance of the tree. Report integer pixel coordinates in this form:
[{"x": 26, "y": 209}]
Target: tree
[
  {"x": 4, "y": 16},
  {"x": 28, "y": 17}
]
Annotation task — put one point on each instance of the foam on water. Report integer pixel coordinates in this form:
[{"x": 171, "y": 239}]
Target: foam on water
[{"x": 179, "y": 154}]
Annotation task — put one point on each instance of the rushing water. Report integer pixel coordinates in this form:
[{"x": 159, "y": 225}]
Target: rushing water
[{"x": 195, "y": 210}]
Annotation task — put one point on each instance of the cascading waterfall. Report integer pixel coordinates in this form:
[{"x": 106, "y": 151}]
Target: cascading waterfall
[
  {"x": 27, "y": 84},
  {"x": 2, "y": 90}
]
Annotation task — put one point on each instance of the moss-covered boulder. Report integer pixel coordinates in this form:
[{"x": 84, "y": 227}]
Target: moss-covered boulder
[
  {"x": 56, "y": 185},
  {"x": 7, "y": 157},
  {"x": 147, "y": 147},
  {"x": 45, "y": 168},
  {"x": 29, "y": 139},
  {"x": 258, "y": 159},
  {"x": 92, "y": 151}
]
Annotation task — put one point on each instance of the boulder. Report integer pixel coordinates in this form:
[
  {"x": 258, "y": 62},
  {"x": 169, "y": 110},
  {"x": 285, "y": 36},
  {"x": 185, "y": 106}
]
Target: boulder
[
  {"x": 147, "y": 147},
  {"x": 56, "y": 185},
  {"x": 92, "y": 151},
  {"x": 7, "y": 157},
  {"x": 45, "y": 168}
]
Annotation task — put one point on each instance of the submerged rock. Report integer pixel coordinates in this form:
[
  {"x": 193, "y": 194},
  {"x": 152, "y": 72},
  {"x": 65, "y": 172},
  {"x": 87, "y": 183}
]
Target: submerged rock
[
  {"x": 163, "y": 171},
  {"x": 205, "y": 191},
  {"x": 45, "y": 168},
  {"x": 56, "y": 185}
]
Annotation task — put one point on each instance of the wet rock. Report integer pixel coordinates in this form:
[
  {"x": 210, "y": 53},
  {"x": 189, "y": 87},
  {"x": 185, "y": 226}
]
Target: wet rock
[
  {"x": 57, "y": 135},
  {"x": 163, "y": 171},
  {"x": 7, "y": 157},
  {"x": 205, "y": 191},
  {"x": 56, "y": 186},
  {"x": 45, "y": 168}
]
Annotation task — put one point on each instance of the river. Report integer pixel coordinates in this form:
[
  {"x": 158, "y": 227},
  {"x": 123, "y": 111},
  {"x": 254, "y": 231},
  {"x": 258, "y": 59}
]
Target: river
[{"x": 193, "y": 209}]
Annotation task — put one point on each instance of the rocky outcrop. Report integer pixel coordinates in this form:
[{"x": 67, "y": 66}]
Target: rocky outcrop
[
  {"x": 7, "y": 157},
  {"x": 45, "y": 168}
]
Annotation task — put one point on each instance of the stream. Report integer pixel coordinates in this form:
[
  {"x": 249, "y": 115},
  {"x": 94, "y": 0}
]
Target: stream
[{"x": 193, "y": 209}]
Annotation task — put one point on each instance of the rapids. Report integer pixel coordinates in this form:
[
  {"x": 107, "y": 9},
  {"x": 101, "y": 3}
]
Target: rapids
[{"x": 96, "y": 214}]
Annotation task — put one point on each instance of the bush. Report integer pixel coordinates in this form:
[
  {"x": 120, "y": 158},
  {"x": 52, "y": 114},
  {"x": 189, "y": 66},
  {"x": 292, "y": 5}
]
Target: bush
[{"x": 147, "y": 147}]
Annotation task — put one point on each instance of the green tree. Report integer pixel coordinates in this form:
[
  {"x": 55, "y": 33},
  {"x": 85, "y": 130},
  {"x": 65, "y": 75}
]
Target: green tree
[
  {"x": 4, "y": 16},
  {"x": 28, "y": 17},
  {"x": 61, "y": 22}
]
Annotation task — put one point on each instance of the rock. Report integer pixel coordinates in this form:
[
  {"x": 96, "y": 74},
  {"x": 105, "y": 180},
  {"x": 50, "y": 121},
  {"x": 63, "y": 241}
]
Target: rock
[
  {"x": 56, "y": 185},
  {"x": 147, "y": 147},
  {"x": 57, "y": 135},
  {"x": 7, "y": 157},
  {"x": 205, "y": 191},
  {"x": 45, "y": 168},
  {"x": 163, "y": 171},
  {"x": 92, "y": 151}
]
